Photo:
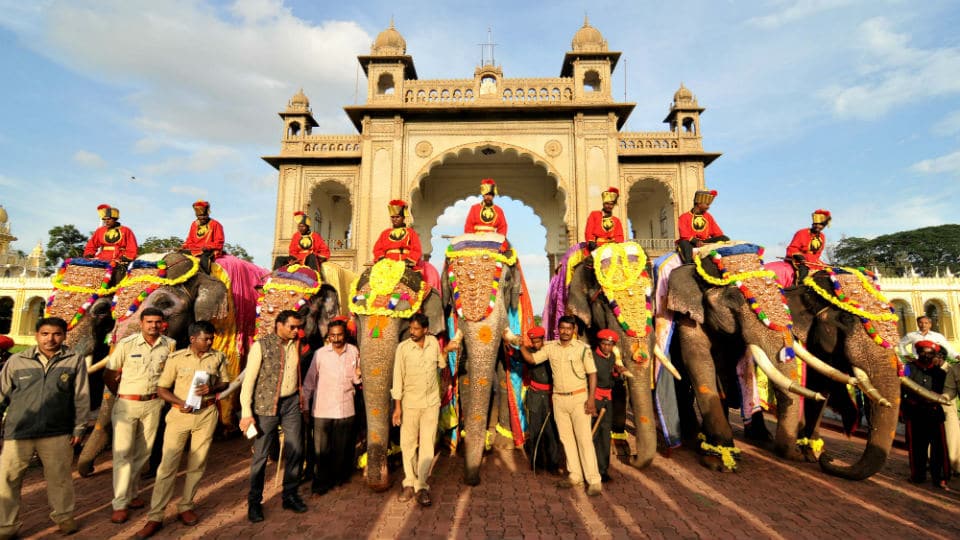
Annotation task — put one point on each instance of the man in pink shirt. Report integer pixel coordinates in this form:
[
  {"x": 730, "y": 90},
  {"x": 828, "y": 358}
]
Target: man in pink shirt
[{"x": 328, "y": 390}]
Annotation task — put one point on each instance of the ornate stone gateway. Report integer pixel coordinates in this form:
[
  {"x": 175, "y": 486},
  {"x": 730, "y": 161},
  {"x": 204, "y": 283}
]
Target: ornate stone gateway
[{"x": 553, "y": 143}]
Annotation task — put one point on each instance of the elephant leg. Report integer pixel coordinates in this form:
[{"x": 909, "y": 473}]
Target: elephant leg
[
  {"x": 788, "y": 418},
  {"x": 98, "y": 439},
  {"x": 695, "y": 346},
  {"x": 756, "y": 429},
  {"x": 810, "y": 430}
]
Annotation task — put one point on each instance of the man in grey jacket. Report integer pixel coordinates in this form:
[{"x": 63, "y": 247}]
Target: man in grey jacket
[{"x": 44, "y": 390}]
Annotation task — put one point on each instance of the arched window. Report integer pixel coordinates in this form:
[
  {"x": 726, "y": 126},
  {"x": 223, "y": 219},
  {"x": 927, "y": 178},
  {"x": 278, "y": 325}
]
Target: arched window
[
  {"x": 591, "y": 81},
  {"x": 385, "y": 84},
  {"x": 6, "y": 314},
  {"x": 293, "y": 129},
  {"x": 904, "y": 314},
  {"x": 940, "y": 317},
  {"x": 689, "y": 126}
]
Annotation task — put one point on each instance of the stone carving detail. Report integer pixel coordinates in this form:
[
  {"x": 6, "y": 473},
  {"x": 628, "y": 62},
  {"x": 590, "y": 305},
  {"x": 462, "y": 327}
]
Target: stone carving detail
[
  {"x": 553, "y": 148},
  {"x": 424, "y": 149}
]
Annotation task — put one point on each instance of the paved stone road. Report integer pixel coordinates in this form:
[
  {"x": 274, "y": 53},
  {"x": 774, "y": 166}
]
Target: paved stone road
[{"x": 674, "y": 498}]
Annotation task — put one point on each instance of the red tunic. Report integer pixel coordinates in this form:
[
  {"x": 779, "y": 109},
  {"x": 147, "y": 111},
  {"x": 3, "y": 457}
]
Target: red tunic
[
  {"x": 808, "y": 244},
  {"x": 111, "y": 244},
  {"x": 302, "y": 246},
  {"x": 485, "y": 219},
  {"x": 398, "y": 244},
  {"x": 698, "y": 226},
  {"x": 603, "y": 230},
  {"x": 201, "y": 237}
]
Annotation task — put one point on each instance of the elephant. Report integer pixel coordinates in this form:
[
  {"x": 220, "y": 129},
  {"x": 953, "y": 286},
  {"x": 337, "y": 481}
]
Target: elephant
[
  {"x": 725, "y": 306},
  {"x": 834, "y": 331},
  {"x": 382, "y": 299},
  {"x": 481, "y": 282},
  {"x": 626, "y": 288}
]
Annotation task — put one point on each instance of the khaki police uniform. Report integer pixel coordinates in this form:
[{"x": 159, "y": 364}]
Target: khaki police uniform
[
  {"x": 416, "y": 387},
  {"x": 199, "y": 425},
  {"x": 136, "y": 413},
  {"x": 571, "y": 365}
]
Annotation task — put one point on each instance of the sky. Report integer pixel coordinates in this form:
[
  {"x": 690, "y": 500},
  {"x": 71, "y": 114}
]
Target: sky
[{"x": 848, "y": 105}]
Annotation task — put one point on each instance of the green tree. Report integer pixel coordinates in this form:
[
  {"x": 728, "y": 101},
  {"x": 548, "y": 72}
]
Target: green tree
[
  {"x": 64, "y": 242},
  {"x": 155, "y": 244},
  {"x": 926, "y": 250},
  {"x": 237, "y": 251}
]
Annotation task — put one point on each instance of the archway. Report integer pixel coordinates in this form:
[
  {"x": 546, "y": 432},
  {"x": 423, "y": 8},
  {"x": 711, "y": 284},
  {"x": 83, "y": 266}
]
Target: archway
[
  {"x": 904, "y": 315},
  {"x": 520, "y": 175},
  {"x": 939, "y": 316},
  {"x": 331, "y": 210},
  {"x": 650, "y": 215},
  {"x": 6, "y": 314},
  {"x": 32, "y": 312}
]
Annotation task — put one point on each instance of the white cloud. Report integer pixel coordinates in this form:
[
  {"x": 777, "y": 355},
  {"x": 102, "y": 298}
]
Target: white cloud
[
  {"x": 949, "y": 163},
  {"x": 89, "y": 159},
  {"x": 456, "y": 215},
  {"x": 198, "y": 72},
  {"x": 796, "y": 11},
  {"x": 893, "y": 74},
  {"x": 204, "y": 159}
]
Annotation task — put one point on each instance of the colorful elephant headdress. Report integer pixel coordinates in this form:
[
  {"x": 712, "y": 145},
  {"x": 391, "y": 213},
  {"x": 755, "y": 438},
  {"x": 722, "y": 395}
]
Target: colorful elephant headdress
[
  {"x": 487, "y": 185},
  {"x": 610, "y": 195}
]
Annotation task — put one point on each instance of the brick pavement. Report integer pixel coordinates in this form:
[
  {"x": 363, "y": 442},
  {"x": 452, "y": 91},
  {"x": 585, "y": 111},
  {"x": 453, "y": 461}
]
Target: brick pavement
[{"x": 674, "y": 498}]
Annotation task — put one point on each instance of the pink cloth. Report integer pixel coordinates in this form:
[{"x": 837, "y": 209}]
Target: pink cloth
[
  {"x": 784, "y": 271},
  {"x": 245, "y": 277},
  {"x": 330, "y": 381},
  {"x": 430, "y": 275}
]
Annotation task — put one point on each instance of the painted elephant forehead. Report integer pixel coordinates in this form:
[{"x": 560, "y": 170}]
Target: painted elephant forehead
[
  {"x": 77, "y": 284},
  {"x": 476, "y": 281},
  {"x": 764, "y": 290},
  {"x": 860, "y": 292}
]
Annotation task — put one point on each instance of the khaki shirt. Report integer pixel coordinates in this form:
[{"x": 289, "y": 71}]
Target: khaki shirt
[
  {"x": 289, "y": 381},
  {"x": 181, "y": 366},
  {"x": 570, "y": 364},
  {"x": 415, "y": 380},
  {"x": 140, "y": 363}
]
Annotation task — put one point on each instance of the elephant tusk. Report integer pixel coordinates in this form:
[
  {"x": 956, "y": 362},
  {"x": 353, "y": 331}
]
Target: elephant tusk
[
  {"x": 666, "y": 361},
  {"x": 509, "y": 337},
  {"x": 863, "y": 381},
  {"x": 98, "y": 366},
  {"x": 618, "y": 361},
  {"x": 911, "y": 385},
  {"x": 822, "y": 367},
  {"x": 779, "y": 379}
]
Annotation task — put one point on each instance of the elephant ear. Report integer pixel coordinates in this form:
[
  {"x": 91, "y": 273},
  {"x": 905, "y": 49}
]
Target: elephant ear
[
  {"x": 211, "y": 299},
  {"x": 432, "y": 307},
  {"x": 578, "y": 301},
  {"x": 512, "y": 293},
  {"x": 684, "y": 294}
]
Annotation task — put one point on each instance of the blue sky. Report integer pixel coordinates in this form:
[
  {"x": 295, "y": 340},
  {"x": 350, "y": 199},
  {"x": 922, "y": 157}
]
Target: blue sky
[{"x": 842, "y": 104}]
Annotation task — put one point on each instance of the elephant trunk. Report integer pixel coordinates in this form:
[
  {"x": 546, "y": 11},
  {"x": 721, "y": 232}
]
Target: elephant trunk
[
  {"x": 641, "y": 399},
  {"x": 476, "y": 386},
  {"x": 376, "y": 365},
  {"x": 883, "y": 423}
]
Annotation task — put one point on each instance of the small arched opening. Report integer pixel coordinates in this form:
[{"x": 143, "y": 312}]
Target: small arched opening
[
  {"x": 32, "y": 312},
  {"x": 331, "y": 210},
  {"x": 293, "y": 129},
  {"x": 904, "y": 316},
  {"x": 940, "y": 316},
  {"x": 6, "y": 314},
  {"x": 591, "y": 81},
  {"x": 385, "y": 84}
]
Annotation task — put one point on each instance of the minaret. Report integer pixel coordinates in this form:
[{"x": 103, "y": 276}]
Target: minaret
[
  {"x": 684, "y": 115},
  {"x": 297, "y": 119},
  {"x": 590, "y": 63},
  {"x": 387, "y": 66}
]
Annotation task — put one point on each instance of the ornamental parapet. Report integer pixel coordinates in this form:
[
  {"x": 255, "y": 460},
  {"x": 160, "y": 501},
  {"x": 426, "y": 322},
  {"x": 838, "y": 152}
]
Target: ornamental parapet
[
  {"x": 653, "y": 142},
  {"x": 485, "y": 92},
  {"x": 326, "y": 145}
]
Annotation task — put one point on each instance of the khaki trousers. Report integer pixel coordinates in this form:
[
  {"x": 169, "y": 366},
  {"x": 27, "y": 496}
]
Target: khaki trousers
[
  {"x": 418, "y": 435},
  {"x": 199, "y": 426},
  {"x": 574, "y": 427},
  {"x": 134, "y": 430},
  {"x": 57, "y": 457}
]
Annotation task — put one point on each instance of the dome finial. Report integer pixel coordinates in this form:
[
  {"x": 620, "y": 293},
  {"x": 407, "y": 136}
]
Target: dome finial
[
  {"x": 588, "y": 38},
  {"x": 389, "y": 42},
  {"x": 586, "y": 20}
]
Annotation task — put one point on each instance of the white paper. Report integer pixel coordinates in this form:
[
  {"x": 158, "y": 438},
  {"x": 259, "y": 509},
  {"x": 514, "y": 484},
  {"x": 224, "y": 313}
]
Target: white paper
[
  {"x": 251, "y": 432},
  {"x": 199, "y": 378}
]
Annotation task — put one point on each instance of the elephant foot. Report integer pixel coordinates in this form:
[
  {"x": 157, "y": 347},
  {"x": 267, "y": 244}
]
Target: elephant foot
[
  {"x": 640, "y": 463},
  {"x": 788, "y": 452},
  {"x": 757, "y": 431},
  {"x": 85, "y": 469},
  {"x": 503, "y": 443},
  {"x": 809, "y": 456},
  {"x": 621, "y": 447},
  {"x": 471, "y": 478},
  {"x": 810, "y": 449},
  {"x": 382, "y": 482},
  {"x": 716, "y": 464}
]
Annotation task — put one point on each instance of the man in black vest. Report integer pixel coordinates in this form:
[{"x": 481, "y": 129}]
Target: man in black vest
[{"x": 270, "y": 398}]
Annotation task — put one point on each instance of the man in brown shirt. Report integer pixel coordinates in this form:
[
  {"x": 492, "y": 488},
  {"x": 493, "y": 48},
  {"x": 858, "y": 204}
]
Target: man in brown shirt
[
  {"x": 416, "y": 405},
  {"x": 574, "y": 384},
  {"x": 131, "y": 374},
  {"x": 184, "y": 421}
]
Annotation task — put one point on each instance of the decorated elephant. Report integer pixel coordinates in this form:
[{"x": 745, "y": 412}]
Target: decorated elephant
[
  {"x": 383, "y": 298},
  {"x": 611, "y": 290},
  {"x": 728, "y": 313},
  {"x": 842, "y": 317},
  {"x": 482, "y": 285}
]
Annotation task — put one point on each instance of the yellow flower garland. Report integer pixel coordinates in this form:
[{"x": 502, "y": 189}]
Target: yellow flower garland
[
  {"x": 814, "y": 444},
  {"x": 727, "y": 453},
  {"x": 392, "y": 313},
  {"x": 385, "y": 275},
  {"x": 303, "y": 290},
  {"x": 731, "y": 278},
  {"x": 869, "y": 286},
  {"x": 508, "y": 260},
  {"x": 848, "y": 307},
  {"x": 619, "y": 266},
  {"x": 127, "y": 281}
]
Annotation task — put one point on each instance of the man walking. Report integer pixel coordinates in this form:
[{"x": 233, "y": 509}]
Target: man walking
[
  {"x": 269, "y": 399},
  {"x": 44, "y": 391},
  {"x": 131, "y": 374},
  {"x": 198, "y": 422},
  {"x": 574, "y": 384}
]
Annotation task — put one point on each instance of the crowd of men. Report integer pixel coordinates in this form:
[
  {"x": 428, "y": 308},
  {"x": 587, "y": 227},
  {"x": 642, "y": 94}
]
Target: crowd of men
[{"x": 571, "y": 403}]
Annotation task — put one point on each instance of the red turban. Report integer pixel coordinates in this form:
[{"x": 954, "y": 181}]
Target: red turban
[
  {"x": 606, "y": 334},
  {"x": 536, "y": 332},
  {"x": 927, "y": 344},
  {"x": 6, "y": 343}
]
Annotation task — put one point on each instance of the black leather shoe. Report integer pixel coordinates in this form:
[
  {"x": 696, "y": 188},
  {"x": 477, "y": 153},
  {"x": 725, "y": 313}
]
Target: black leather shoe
[
  {"x": 295, "y": 504},
  {"x": 255, "y": 512}
]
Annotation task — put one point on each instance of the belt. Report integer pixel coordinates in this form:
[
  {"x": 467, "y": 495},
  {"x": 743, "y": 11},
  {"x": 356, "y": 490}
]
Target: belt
[
  {"x": 603, "y": 393},
  {"x": 575, "y": 392},
  {"x": 138, "y": 397},
  {"x": 483, "y": 228},
  {"x": 397, "y": 250},
  {"x": 540, "y": 387},
  {"x": 203, "y": 405}
]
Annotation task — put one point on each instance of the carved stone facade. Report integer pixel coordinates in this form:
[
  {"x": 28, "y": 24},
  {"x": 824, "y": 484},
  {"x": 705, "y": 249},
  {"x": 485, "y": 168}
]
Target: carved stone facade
[{"x": 553, "y": 143}]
